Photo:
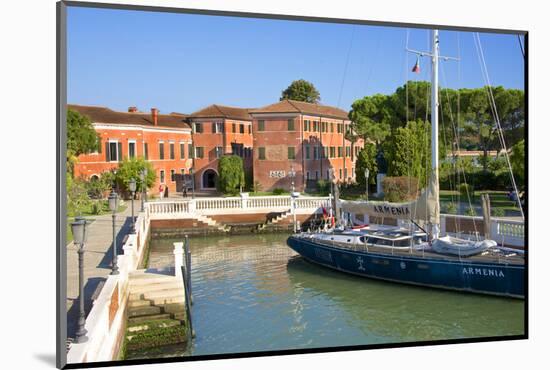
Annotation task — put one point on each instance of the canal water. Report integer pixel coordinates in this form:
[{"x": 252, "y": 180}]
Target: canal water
[{"x": 252, "y": 293}]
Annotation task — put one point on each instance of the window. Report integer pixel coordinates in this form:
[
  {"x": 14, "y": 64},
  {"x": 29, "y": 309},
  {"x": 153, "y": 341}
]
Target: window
[
  {"x": 291, "y": 154},
  {"x": 315, "y": 152},
  {"x": 290, "y": 124},
  {"x": 198, "y": 127},
  {"x": 217, "y": 127},
  {"x": 340, "y": 150},
  {"x": 182, "y": 150},
  {"x": 340, "y": 173},
  {"x": 332, "y": 127},
  {"x": 182, "y": 172},
  {"x": 162, "y": 176},
  {"x": 172, "y": 151},
  {"x": 249, "y": 129},
  {"x": 316, "y": 175},
  {"x": 306, "y": 125},
  {"x": 348, "y": 151},
  {"x": 241, "y": 128},
  {"x": 307, "y": 151},
  {"x": 261, "y": 125},
  {"x": 146, "y": 150},
  {"x": 325, "y": 152},
  {"x": 261, "y": 153},
  {"x": 323, "y": 126},
  {"x": 190, "y": 151},
  {"x": 219, "y": 151},
  {"x": 345, "y": 173},
  {"x": 199, "y": 152},
  {"x": 114, "y": 151},
  {"x": 332, "y": 152},
  {"x": 131, "y": 149},
  {"x": 172, "y": 175},
  {"x": 234, "y": 129},
  {"x": 316, "y": 126},
  {"x": 339, "y": 127},
  {"x": 161, "y": 150}
]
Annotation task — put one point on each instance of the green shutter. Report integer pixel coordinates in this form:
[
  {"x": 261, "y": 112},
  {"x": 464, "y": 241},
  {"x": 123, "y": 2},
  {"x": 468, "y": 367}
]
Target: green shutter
[
  {"x": 291, "y": 124},
  {"x": 119, "y": 151},
  {"x": 107, "y": 152}
]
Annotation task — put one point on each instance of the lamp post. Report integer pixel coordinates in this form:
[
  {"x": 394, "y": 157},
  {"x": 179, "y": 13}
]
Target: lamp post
[
  {"x": 367, "y": 183},
  {"x": 142, "y": 179},
  {"x": 192, "y": 173},
  {"x": 292, "y": 175},
  {"x": 132, "y": 187},
  {"x": 113, "y": 206},
  {"x": 78, "y": 227}
]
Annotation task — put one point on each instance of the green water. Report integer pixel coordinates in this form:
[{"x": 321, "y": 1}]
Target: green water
[{"x": 252, "y": 293}]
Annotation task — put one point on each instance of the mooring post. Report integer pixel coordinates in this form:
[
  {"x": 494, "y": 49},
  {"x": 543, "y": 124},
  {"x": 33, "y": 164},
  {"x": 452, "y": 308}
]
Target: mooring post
[
  {"x": 188, "y": 267},
  {"x": 178, "y": 258}
]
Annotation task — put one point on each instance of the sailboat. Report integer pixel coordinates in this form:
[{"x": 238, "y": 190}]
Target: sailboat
[{"x": 415, "y": 256}]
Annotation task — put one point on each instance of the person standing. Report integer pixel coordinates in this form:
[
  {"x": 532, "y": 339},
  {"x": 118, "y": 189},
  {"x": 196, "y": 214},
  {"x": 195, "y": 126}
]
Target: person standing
[{"x": 161, "y": 192}]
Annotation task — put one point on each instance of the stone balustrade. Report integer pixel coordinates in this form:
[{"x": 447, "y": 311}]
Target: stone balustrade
[{"x": 106, "y": 320}]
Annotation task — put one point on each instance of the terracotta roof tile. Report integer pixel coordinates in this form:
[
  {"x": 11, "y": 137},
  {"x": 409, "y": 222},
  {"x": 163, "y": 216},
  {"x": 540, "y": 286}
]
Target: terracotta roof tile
[
  {"x": 294, "y": 106},
  {"x": 221, "y": 111},
  {"x": 106, "y": 115}
]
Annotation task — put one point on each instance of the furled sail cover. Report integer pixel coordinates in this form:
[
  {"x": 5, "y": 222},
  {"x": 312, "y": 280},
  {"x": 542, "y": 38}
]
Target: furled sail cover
[{"x": 425, "y": 207}]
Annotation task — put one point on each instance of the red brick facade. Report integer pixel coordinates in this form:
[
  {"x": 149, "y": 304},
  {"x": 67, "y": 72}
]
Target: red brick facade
[
  {"x": 124, "y": 135},
  {"x": 308, "y": 138}
]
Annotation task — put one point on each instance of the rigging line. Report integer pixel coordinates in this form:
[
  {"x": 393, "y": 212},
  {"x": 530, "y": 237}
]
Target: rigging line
[
  {"x": 500, "y": 131},
  {"x": 346, "y": 65}
]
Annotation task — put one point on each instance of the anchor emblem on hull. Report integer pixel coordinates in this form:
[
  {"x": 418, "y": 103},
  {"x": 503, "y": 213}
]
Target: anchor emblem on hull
[{"x": 360, "y": 262}]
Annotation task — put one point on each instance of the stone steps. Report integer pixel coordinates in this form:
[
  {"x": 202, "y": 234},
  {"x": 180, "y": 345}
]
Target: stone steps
[
  {"x": 153, "y": 324},
  {"x": 140, "y": 319},
  {"x": 138, "y": 303},
  {"x": 143, "y": 311}
]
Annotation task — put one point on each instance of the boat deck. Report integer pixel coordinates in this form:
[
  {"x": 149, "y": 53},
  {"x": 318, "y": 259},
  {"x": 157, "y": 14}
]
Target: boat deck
[{"x": 488, "y": 256}]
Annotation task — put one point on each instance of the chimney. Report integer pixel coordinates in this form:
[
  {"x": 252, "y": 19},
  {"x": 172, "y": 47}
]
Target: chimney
[
  {"x": 132, "y": 109},
  {"x": 155, "y": 116}
]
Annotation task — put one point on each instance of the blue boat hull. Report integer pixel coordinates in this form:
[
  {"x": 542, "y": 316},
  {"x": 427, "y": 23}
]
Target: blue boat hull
[{"x": 468, "y": 276}]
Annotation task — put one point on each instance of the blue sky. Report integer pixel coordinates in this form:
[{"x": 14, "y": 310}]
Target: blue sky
[{"x": 183, "y": 62}]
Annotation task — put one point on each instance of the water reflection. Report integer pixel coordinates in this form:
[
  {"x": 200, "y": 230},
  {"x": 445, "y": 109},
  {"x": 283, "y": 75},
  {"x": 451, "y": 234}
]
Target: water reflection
[{"x": 252, "y": 293}]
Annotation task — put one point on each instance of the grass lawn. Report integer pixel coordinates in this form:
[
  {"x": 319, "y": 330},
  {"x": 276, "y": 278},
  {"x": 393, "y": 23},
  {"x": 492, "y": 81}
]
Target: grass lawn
[{"x": 499, "y": 199}]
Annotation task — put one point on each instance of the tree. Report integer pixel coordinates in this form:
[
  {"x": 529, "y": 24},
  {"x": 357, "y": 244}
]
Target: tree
[
  {"x": 81, "y": 135},
  {"x": 408, "y": 152},
  {"x": 130, "y": 168},
  {"x": 366, "y": 159},
  {"x": 517, "y": 160},
  {"x": 231, "y": 174},
  {"x": 371, "y": 117},
  {"x": 301, "y": 90}
]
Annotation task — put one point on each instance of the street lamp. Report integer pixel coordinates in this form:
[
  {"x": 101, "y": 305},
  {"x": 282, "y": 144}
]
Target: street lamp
[
  {"x": 78, "y": 227},
  {"x": 142, "y": 179},
  {"x": 292, "y": 175},
  {"x": 192, "y": 173},
  {"x": 367, "y": 182},
  {"x": 132, "y": 187},
  {"x": 113, "y": 206}
]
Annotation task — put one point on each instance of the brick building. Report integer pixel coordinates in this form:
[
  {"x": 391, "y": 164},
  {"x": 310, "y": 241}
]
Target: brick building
[
  {"x": 219, "y": 130},
  {"x": 163, "y": 139},
  {"x": 309, "y": 138}
]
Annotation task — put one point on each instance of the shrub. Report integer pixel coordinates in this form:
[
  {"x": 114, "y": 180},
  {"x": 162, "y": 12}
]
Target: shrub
[
  {"x": 470, "y": 212},
  {"x": 131, "y": 169},
  {"x": 323, "y": 186},
  {"x": 278, "y": 191},
  {"x": 466, "y": 190},
  {"x": 231, "y": 174},
  {"x": 400, "y": 189},
  {"x": 451, "y": 209}
]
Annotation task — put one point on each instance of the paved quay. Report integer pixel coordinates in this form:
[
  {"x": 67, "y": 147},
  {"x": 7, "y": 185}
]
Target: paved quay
[{"x": 97, "y": 260}]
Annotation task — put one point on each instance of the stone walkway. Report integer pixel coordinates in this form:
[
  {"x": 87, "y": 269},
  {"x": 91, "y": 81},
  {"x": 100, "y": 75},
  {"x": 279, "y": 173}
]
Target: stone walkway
[{"x": 97, "y": 260}]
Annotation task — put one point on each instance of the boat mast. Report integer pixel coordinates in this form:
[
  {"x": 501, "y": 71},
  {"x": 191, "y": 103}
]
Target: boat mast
[{"x": 435, "y": 127}]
